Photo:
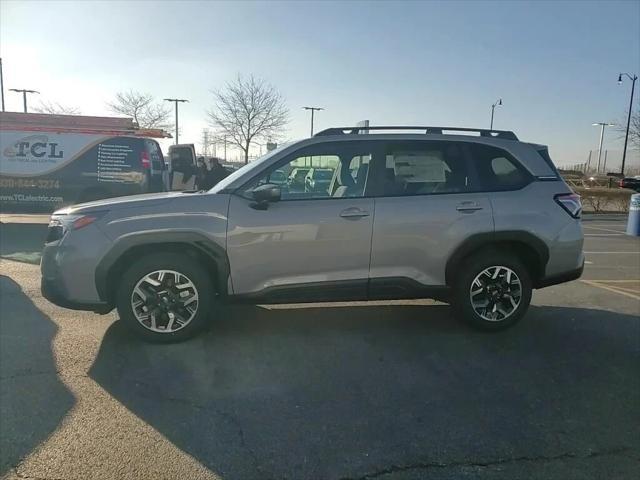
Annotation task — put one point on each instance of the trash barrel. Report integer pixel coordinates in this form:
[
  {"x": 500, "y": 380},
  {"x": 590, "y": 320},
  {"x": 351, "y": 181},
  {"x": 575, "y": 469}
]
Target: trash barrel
[{"x": 633, "y": 224}]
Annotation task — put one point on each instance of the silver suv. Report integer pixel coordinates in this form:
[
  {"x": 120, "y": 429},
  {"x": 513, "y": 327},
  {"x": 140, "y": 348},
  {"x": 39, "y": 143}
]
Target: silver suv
[{"x": 474, "y": 220}]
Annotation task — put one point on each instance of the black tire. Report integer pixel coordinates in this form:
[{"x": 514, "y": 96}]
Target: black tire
[
  {"x": 473, "y": 266},
  {"x": 182, "y": 264}
]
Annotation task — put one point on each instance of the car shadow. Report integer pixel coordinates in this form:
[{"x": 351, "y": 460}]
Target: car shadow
[
  {"x": 22, "y": 241},
  {"x": 33, "y": 400},
  {"x": 342, "y": 392}
]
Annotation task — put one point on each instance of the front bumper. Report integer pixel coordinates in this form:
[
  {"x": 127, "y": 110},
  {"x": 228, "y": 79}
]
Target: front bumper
[
  {"x": 560, "y": 277},
  {"x": 52, "y": 292}
]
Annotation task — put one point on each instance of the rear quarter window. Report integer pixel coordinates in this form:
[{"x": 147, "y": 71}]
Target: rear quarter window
[{"x": 497, "y": 170}]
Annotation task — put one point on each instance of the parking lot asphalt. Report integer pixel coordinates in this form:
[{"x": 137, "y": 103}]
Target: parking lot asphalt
[{"x": 384, "y": 390}]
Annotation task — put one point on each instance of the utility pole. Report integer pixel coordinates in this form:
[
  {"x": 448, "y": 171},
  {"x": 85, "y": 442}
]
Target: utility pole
[
  {"x": 224, "y": 139},
  {"x": 24, "y": 92},
  {"x": 205, "y": 142},
  {"x": 313, "y": 110},
  {"x": 602, "y": 126},
  {"x": 626, "y": 136},
  {"x": 176, "y": 101},
  {"x": 498, "y": 103},
  {"x": 1, "y": 85}
]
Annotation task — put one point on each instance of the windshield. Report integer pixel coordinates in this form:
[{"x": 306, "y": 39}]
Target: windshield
[{"x": 247, "y": 169}]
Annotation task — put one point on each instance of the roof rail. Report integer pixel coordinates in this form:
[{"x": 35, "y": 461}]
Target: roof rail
[{"x": 501, "y": 134}]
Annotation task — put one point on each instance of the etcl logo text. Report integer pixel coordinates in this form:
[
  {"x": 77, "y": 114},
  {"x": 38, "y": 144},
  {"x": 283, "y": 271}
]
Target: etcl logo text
[
  {"x": 38, "y": 150},
  {"x": 36, "y": 146}
]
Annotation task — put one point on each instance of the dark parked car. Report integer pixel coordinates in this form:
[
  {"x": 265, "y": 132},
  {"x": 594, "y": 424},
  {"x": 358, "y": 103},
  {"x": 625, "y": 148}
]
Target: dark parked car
[
  {"x": 632, "y": 183},
  {"x": 318, "y": 180},
  {"x": 296, "y": 178},
  {"x": 278, "y": 177}
]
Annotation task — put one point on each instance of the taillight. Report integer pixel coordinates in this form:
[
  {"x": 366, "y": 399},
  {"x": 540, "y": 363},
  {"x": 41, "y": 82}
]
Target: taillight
[
  {"x": 145, "y": 161},
  {"x": 621, "y": 183},
  {"x": 570, "y": 202}
]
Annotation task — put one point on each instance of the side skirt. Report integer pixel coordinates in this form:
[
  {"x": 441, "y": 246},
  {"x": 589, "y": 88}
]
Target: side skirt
[{"x": 392, "y": 288}]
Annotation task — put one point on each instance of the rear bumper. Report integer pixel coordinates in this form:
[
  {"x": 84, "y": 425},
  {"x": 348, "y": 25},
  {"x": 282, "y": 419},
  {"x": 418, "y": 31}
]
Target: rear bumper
[
  {"x": 560, "y": 278},
  {"x": 51, "y": 291}
]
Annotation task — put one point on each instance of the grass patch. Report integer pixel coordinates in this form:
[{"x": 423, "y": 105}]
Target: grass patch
[{"x": 24, "y": 257}]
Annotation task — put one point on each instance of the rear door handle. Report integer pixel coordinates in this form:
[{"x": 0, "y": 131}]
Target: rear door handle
[
  {"x": 354, "y": 212},
  {"x": 468, "y": 207}
]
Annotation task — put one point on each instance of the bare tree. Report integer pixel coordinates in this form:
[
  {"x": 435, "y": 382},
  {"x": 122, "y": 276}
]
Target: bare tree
[
  {"x": 55, "y": 108},
  {"x": 248, "y": 109},
  {"x": 142, "y": 107},
  {"x": 634, "y": 129}
]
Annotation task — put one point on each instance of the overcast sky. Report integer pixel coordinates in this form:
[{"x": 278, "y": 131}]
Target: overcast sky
[{"x": 555, "y": 64}]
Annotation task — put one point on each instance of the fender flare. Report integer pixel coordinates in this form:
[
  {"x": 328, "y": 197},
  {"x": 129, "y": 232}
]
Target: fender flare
[
  {"x": 199, "y": 241},
  {"x": 481, "y": 240}
]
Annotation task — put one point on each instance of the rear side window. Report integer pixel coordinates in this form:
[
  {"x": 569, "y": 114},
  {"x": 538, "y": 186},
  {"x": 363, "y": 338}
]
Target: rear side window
[
  {"x": 424, "y": 168},
  {"x": 496, "y": 169}
]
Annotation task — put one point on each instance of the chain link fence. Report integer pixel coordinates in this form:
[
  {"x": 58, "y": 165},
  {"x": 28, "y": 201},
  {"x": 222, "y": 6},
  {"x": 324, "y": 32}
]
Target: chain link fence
[{"x": 609, "y": 161}]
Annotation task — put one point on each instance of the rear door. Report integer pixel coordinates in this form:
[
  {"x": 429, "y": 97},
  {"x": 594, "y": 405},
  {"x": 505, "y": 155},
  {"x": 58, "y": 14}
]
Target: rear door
[
  {"x": 426, "y": 204},
  {"x": 310, "y": 245}
]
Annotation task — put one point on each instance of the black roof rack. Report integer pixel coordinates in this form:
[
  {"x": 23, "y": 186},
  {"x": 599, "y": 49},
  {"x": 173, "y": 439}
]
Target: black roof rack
[{"x": 501, "y": 134}]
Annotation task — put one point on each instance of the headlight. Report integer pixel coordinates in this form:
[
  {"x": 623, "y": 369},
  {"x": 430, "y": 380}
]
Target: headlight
[{"x": 60, "y": 224}]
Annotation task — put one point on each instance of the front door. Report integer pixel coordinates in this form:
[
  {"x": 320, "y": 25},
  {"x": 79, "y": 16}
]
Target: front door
[{"x": 315, "y": 242}]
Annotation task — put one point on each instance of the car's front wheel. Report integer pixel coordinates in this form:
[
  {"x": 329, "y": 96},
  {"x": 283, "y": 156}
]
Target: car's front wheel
[
  {"x": 165, "y": 297},
  {"x": 492, "y": 291}
]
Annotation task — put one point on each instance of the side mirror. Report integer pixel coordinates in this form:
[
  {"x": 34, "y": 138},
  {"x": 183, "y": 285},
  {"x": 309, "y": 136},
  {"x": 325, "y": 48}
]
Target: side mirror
[{"x": 265, "y": 194}]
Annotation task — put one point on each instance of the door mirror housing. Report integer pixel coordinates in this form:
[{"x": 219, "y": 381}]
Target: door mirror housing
[{"x": 265, "y": 194}]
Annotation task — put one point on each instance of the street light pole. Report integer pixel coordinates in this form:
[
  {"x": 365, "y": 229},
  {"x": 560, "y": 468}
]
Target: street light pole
[
  {"x": 24, "y": 92},
  {"x": 626, "y": 135},
  {"x": 602, "y": 126},
  {"x": 176, "y": 101},
  {"x": 313, "y": 110},
  {"x": 498, "y": 103}
]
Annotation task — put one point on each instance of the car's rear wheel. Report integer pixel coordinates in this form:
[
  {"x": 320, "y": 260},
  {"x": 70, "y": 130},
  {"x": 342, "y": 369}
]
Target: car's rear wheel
[
  {"x": 165, "y": 297},
  {"x": 492, "y": 291}
]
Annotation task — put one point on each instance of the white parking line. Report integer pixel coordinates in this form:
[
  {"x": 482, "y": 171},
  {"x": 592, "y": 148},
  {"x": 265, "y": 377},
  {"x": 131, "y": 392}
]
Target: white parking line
[
  {"x": 617, "y": 224},
  {"x": 610, "y": 289},
  {"x": 604, "y": 229},
  {"x": 603, "y": 234},
  {"x": 607, "y": 253}
]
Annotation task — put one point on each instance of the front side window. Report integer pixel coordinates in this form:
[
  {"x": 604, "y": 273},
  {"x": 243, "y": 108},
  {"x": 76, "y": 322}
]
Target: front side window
[
  {"x": 424, "y": 168},
  {"x": 325, "y": 171}
]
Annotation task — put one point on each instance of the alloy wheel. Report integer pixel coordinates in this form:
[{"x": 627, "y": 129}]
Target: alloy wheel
[
  {"x": 496, "y": 293},
  {"x": 164, "y": 301}
]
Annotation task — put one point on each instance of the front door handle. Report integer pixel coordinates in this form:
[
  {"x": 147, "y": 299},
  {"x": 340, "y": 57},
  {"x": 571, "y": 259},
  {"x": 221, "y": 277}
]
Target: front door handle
[
  {"x": 354, "y": 213},
  {"x": 468, "y": 207}
]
